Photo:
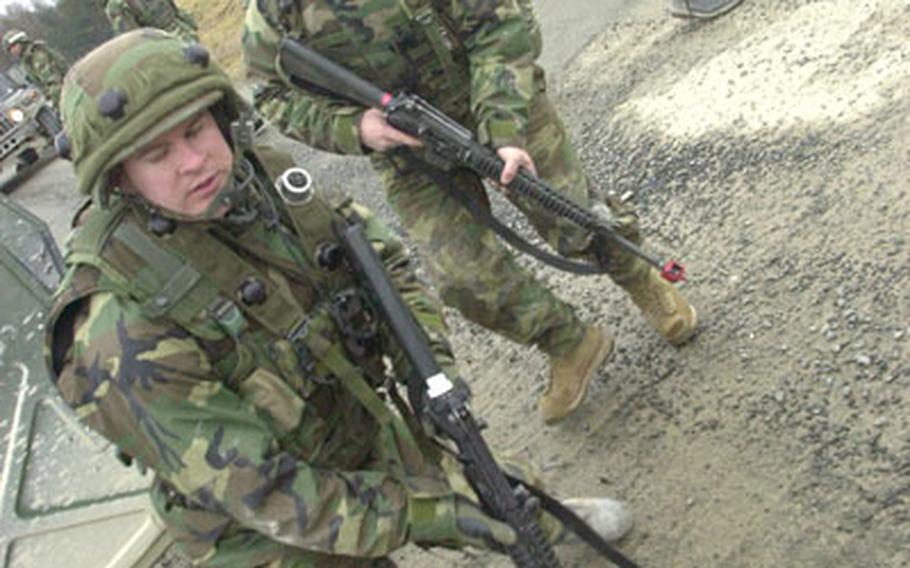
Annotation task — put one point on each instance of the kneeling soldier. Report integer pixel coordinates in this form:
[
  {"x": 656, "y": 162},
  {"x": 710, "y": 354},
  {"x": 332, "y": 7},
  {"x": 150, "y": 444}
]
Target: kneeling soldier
[{"x": 204, "y": 328}]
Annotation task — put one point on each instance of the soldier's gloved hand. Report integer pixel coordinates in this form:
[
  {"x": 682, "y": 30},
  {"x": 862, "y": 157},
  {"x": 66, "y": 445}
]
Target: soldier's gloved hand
[{"x": 455, "y": 521}]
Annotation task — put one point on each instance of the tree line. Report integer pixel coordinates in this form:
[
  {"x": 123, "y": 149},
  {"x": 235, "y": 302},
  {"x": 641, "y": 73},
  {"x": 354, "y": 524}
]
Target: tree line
[{"x": 72, "y": 27}]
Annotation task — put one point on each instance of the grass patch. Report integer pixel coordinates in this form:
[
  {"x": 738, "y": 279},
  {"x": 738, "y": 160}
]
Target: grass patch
[{"x": 220, "y": 25}]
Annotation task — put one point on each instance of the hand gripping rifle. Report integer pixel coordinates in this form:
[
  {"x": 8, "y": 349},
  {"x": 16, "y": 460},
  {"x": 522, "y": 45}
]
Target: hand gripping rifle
[
  {"x": 433, "y": 395},
  {"x": 449, "y": 144}
]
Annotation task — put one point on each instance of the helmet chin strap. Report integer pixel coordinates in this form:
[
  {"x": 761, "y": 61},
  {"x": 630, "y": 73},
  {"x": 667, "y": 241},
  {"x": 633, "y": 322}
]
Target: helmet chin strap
[
  {"x": 234, "y": 198},
  {"x": 233, "y": 203}
]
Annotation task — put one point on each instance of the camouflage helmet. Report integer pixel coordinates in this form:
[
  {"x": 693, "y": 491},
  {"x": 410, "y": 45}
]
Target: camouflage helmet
[
  {"x": 12, "y": 37},
  {"x": 128, "y": 91}
]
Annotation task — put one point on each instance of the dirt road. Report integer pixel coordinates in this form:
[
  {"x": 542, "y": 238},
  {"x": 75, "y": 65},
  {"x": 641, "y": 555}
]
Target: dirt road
[{"x": 769, "y": 149}]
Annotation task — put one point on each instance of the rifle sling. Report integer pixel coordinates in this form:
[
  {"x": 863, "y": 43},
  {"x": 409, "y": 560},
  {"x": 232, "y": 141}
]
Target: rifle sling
[
  {"x": 574, "y": 523},
  {"x": 505, "y": 232}
]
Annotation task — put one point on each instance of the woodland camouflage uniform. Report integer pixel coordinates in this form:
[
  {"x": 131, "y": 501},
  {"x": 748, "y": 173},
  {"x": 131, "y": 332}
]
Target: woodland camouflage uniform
[
  {"x": 475, "y": 62},
  {"x": 268, "y": 446},
  {"x": 126, "y": 15},
  {"x": 44, "y": 67}
]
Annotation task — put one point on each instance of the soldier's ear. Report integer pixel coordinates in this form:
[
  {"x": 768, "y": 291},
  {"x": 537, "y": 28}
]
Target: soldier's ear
[
  {"x": 224, "y": 115},
  {"x": 117, "y": 178}
]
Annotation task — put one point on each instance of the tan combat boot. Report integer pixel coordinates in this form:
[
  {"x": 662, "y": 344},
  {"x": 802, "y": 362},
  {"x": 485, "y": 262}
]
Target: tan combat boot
[
  {"x": 571, "y": 374},
  {"x": 609, "y": 518},
  {"x": 663, "y": 306}
]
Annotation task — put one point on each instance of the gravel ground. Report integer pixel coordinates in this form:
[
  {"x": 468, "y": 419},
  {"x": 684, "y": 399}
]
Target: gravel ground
[{"x": 769, "y": 150}]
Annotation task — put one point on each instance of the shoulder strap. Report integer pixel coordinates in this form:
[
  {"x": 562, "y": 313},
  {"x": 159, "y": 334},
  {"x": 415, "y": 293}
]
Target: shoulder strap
[
  {"x": 188, "y": 276},
  {"x": 280, "y": 315},
  {"x": 274, "y": 162},
  {"x": 165, "y": 283},
  {"x": 160, "y": 280},
  {"x": 436, "y": 28},
  {"x": 87, "y": 240}
]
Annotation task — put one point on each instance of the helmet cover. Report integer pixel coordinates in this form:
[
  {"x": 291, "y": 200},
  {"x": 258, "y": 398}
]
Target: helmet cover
[
  {"x": 12, "y": 37},
  {"x": 130, "y": 90}
]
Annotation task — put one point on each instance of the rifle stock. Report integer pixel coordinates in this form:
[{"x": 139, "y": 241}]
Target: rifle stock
[{"x": 305, "y": 64}]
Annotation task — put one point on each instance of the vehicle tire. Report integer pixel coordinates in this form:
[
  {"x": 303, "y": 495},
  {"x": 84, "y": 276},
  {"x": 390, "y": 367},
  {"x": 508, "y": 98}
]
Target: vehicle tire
[{"x": 49, "y": 121}]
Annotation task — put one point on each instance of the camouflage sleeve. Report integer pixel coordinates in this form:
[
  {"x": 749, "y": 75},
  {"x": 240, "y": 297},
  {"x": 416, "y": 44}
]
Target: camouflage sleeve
[
  {"x": 52, "y": 69},
  {"x": 38, "y": 60},
  {"x": 318, "y": 120},
  {"x": 121, "y": 18},
  {"x": 151, "y": 390},
  {"x": 60, "y": 63},
  {"x": 503, "y": 40}
]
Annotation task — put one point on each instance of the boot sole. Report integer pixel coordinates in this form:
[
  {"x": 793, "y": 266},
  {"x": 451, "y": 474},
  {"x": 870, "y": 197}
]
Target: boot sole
[
  {"x": 603, "y": 353},
  {"x": 703, "y": 15}
]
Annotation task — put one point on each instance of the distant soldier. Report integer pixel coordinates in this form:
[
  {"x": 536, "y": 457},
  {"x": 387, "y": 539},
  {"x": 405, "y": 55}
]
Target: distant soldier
[
  {"x": 43, "y": 66},
  {"x": 126, "y": 15}
]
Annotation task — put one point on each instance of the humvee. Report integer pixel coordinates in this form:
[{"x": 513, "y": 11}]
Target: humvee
[{"x": 28, "y": 123}]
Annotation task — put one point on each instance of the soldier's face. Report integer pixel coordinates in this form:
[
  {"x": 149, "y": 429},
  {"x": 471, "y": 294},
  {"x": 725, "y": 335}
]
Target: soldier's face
[
  {"x": 15, "y": 49},
  {"x": 183, "y": 169}
]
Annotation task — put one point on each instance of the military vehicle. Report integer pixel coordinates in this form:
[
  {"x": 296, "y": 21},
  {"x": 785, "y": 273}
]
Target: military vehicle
[
  {"x": 65, "y": 499},
  {"x": 28, "y": 123}
]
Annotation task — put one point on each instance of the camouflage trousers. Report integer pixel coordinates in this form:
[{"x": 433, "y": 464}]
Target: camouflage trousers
[
  {"x": 471, "y": 267},
  {"x": 213, "y": 540}
]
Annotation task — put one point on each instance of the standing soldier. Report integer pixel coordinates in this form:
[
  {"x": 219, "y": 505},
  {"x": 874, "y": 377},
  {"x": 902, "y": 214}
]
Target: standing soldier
[
  {"x": 201, "y": 328},
  {"x": 126, "y": 15},
  {"x": 44, "y": 67},
  {"x": 475, "y": 62}
]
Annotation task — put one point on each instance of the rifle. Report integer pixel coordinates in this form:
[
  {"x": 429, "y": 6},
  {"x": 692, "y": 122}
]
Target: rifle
[
  {"x": 449, "y": 144},
  {"x": 433, "y": 395}
]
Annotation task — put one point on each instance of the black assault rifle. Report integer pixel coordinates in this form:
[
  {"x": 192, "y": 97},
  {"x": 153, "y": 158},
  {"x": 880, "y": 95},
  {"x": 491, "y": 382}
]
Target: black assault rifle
[
  {"x": 449, "y": 144},
  {"x": 433, "y": 395}
]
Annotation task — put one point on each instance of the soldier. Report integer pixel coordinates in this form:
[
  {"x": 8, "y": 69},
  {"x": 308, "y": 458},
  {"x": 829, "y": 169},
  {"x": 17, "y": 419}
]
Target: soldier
[
  {"x": 476, "y": 64},
  {"x": 44, "y": 67},
  {"x": 126, "y": 15},
  {"x": 198, "y": 329},
  {"x": 701, "y": 9}
]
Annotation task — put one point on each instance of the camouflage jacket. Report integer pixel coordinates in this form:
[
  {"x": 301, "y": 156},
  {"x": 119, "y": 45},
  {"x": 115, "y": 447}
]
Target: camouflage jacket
[
  {"x": 473, "y": 60},
  {"x": 45, "y": 68},
  {"x": 169, "y": 364},
  {"x": 126, "y": 15}
]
